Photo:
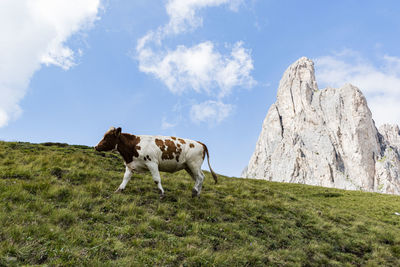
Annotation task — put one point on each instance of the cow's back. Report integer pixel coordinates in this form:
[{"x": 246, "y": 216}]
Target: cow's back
[{"x": 169, "y": 152}]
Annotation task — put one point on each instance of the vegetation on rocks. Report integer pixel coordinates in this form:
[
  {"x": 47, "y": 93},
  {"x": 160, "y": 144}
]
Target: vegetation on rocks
[{"x": 58, "y": 207}]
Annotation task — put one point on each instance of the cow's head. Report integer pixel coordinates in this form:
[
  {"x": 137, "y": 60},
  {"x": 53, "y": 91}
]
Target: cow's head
[{"x": 110, "y": 140}]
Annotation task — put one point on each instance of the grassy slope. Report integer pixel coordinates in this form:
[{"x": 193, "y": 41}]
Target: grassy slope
[{"x": 58, "y": 207}]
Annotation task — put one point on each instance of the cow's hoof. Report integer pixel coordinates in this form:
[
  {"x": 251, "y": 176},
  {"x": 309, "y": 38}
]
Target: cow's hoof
[
  {"x": 162, "y": 195},
  {"x": 194, "y": 193},
  {"x": 119, "y": 190}
]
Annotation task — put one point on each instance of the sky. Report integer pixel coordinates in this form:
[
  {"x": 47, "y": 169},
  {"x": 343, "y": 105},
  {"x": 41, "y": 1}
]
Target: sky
[{"x": 206, "y": 70}]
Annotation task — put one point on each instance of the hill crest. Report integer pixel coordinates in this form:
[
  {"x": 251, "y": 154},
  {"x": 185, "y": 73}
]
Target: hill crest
[{"x": 58, "y": 208}]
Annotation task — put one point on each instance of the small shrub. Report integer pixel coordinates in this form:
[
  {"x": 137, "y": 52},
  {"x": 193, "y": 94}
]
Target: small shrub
[
  {"x": 19, "y": 174},
  {"x": 328, "y": 194},
  {"x": 54, "y": 144},
  {"x": 57, "y": 172}
]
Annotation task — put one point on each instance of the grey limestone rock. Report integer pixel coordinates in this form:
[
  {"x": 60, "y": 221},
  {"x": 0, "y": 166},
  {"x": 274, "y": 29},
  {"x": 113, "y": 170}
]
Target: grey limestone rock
[{"x": 325, "y": 137}]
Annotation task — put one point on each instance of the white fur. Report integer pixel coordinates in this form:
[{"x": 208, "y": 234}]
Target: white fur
[{"x": 190, "y": 158}]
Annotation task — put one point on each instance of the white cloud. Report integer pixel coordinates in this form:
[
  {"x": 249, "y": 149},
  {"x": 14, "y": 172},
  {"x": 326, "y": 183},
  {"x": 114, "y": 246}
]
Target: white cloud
[
  {"x": 183, "y": 15},
  {"x": 34, "y": 33},
  {"x": 210, "y": 111},
  {"x": 165, "y": 125},
  {"x": 380, "y": 84},
  {"x": 201, "y": 68}
]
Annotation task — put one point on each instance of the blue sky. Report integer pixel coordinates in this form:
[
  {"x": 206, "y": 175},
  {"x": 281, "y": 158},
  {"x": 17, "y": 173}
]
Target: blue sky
[{"x": 201, "y": 69}]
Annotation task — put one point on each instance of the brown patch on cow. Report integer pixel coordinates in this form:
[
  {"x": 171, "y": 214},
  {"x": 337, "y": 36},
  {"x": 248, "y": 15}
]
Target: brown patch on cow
[
  {"x": 173, "y": 138},
  {"x": 160, "y": 144},
  {"x": 169, "y": 149},
  {"x": 191, "y": 146},
  {"x": 179, "y": 145},
  {"x": 182, "y": 141},
  {"x": 178, "y": 152},
  {"x": 127, "y": 146}
]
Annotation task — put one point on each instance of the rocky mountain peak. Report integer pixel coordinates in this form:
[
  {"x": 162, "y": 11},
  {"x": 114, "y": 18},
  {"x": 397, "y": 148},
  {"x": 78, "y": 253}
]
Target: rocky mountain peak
[
  {"x": 324, "y": 137},
  {"x": 297, "y": 87}
]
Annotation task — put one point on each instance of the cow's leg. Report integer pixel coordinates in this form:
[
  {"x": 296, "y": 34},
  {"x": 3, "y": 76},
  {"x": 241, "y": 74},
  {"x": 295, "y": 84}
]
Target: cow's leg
[
  {"x": 127, "y": 177},
  {"x": 189, "y": 171},
  {"x": 199, "y": 183},
  {"x": 153, "y": 168},
  {"x": 198, "y": 176}
]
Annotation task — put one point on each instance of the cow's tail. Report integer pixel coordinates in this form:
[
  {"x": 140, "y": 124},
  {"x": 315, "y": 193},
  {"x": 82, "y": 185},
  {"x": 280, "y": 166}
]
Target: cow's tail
[{"x": 214, "y": 175}]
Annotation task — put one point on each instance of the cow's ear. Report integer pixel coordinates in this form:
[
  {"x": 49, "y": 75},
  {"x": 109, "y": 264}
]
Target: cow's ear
[{"x": 118, "y": 132}]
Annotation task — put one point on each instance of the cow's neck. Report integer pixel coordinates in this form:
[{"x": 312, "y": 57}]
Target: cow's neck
[{"x": 128, "y": 147}]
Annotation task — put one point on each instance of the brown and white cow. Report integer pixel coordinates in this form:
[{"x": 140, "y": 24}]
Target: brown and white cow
[{"x": 143, "y": 153}]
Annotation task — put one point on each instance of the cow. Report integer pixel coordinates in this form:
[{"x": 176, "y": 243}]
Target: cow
[{"x": 142, "y": 153}]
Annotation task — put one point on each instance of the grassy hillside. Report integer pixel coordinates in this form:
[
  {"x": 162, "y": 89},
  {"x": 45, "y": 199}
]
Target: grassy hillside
[{"x": 58, "y": 207}]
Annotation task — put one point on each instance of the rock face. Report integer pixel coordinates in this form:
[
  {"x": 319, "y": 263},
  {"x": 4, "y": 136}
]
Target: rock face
[{"x": 325, "y": 137}]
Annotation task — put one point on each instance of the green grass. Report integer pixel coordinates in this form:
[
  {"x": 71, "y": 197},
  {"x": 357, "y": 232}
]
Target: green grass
[{"x": 58, "y": 208}]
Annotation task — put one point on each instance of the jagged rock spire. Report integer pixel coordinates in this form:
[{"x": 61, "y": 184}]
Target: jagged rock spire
[{"x": 324, "y": 137}]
